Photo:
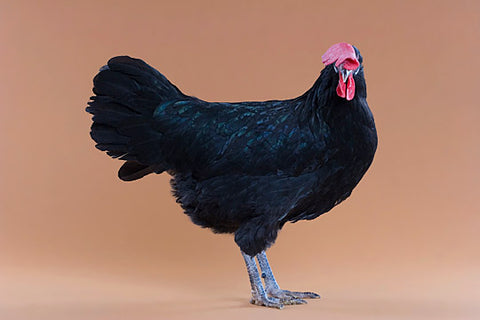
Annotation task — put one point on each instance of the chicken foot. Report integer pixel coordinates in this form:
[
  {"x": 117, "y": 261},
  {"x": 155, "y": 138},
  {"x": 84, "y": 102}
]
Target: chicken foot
[
  {"x": 270, "y": 296},
  {"x": 259, "y": 296},
  {"x": 273, "y": 289}
]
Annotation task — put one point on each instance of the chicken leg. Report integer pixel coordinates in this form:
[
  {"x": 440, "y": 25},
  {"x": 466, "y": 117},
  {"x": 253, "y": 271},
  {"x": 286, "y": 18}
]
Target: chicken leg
[
  {"x": 272, "y": 288},
  {"x": 270, "y": 296}
]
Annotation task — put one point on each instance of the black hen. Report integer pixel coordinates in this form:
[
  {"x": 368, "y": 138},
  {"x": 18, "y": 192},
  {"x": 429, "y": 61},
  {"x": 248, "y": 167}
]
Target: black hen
[{"x": 245, "y": 168}]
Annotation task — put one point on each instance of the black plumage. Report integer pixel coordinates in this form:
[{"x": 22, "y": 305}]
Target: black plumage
[{"x": 245, "y": 168}]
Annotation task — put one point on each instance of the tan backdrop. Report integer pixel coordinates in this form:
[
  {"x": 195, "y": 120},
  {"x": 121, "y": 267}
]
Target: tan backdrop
[{"x": 77, "y": 243}]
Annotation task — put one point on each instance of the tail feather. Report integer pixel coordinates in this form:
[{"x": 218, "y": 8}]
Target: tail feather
[
  {"x": 105, "y": 110},
  {"x": 127, "y": 91},
  {"x": 153, "y": 82},
  {"x": 132, "y": 170}
]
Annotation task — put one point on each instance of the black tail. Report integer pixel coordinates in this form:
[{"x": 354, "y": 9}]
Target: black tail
[{"x": 127, "y": 91}]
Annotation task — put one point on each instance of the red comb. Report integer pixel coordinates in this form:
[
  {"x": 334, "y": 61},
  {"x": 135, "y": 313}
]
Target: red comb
[{"x": 341, "y": 53}]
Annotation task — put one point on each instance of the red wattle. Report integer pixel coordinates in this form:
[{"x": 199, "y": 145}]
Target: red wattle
[
  {"x": 341, "y": 88},
  {"x": 350, "y": 88}
]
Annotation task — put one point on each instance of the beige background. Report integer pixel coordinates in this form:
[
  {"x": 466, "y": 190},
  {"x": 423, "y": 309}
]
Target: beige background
[{"x": 77, "y": 243}]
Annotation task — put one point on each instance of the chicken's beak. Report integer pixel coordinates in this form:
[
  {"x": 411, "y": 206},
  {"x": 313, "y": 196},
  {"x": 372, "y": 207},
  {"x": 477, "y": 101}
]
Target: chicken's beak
[
  {"x": 346, "y": 83},
  {"x": 345, "y": 73}
]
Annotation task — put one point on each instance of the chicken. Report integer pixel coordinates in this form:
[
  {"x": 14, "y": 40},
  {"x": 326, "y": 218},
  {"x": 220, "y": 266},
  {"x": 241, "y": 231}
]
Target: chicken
[{"x": 245, "y": 168}]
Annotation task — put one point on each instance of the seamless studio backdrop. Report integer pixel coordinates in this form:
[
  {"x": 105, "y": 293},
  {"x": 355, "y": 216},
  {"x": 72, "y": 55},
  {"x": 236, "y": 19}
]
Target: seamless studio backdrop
[{"x": 77, "y": 243}]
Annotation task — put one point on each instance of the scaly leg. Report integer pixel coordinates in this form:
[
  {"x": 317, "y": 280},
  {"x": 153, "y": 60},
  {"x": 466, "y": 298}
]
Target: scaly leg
[
  {"x": 259, "y": 296},
  {"x": 272, "y": 288}
]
